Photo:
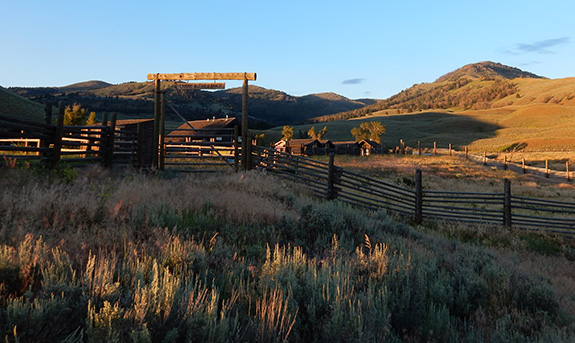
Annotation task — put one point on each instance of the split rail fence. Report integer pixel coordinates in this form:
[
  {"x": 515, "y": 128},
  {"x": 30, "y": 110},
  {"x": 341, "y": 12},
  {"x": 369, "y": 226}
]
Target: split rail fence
[
  {"x": 47, "y": 145},
  {"x": 501, "y": 209}
]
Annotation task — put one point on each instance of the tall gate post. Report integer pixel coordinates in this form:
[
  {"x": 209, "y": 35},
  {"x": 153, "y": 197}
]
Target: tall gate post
[
  {"x": 245, "y": 137},
  {"x": 418, "y": 197},
  {"x": 162, "y": 131},
  {"x": 155, "y": 151}
]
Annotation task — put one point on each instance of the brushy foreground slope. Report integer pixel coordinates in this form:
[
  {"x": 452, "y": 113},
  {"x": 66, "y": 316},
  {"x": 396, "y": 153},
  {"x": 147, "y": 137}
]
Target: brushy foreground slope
[{"x": 95, "y": 257}]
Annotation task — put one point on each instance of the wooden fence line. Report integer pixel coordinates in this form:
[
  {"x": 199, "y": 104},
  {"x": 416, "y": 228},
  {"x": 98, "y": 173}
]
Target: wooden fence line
[
  {"x": 505, "y": 164},
  {"x": 502, "y": 209}
]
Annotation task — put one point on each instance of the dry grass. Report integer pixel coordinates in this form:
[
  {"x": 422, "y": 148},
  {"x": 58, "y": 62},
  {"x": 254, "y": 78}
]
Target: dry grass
[
  {"x": 246, "y": 257},
  {"x": 453, "y": 173}
]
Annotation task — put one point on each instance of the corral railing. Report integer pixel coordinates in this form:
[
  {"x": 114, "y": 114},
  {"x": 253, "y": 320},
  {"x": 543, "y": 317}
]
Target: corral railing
[
  {"x": 26, "y": 141},
  {"x": 501, "y": 209},
  {"x": 47, "y": 145}
]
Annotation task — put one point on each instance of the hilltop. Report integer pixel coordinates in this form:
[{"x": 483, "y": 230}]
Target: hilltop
[
  {"x": 477, "y": 86},
  {"x": 486, "y": 70}
]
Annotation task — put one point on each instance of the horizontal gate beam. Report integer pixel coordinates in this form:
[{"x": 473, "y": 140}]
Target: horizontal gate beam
[{"x": 204, "y": 76}]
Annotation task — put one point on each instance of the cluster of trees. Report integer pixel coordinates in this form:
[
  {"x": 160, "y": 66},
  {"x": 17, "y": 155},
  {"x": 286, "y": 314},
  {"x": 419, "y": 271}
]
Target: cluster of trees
[
  {"x": 367, "y": 130},
  {"x": 287, "y": 133},
  {"x": 76, "y": 115},
  {"x": 436, "y": 96}
]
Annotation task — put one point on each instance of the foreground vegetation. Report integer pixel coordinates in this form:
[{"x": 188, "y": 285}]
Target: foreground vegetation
[{"x": 90, "y": 256}]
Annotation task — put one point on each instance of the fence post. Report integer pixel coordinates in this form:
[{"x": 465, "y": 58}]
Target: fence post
[
  {"x": 418, "y": 197},
  {"x": 44, "y": 143},
  {"x": 248, "y": 153},
  {"x": 484, "y": 158},
  {"x": 505, "y": 162},
  {"x": 434, "y": 148},
  {"x": 450, "y": 150},
  {"x": 507, "y": 220},
  {"x": 466, "y": 153},
  {"x": 48, "y": 113},
  {"x": 236, "y": 148},
  {"x": 57, "y": 153},
  {"x": 567, "y": 171},
  {"x": 547, "y": 168},
  {"x": 109, "y": 155},
  {"x": 162, "y": 129},
  {"x": 523, "y": 165},
  {"x": 140, "y": 145},
  {"x": 331, "y": 177}
]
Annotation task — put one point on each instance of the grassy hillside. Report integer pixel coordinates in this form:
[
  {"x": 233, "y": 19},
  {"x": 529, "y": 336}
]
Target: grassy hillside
[
  {"x": 14, "y": 105},
  {"x": 478, "y": 86},
  {"x": 133, "y": 258},
  {"x": 490, "y": 114}
]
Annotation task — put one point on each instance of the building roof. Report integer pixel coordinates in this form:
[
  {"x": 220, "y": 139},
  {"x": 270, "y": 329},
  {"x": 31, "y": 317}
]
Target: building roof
[
  {"x": 208, "y": 124},
  {"x": 344, "y": 143},
  {"x": 132, "y": 121}
]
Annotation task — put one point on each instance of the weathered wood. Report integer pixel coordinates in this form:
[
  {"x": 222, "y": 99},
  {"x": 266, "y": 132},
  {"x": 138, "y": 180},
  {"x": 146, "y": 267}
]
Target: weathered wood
[
  {"x": 245, "y": 137},
  {"x": 523, "y": 165},
  {"x": 418, "y": 197},
  {"x": 236, "y": 148},
  {"x": 331, "y": 194},
  {"x": 203, "y": 76},
  {"x": 157, "y": 106},
  {"x": 203, "y": 85},
  {"x": 162, "y": 130},
  {"x": 108, "y": 156},
  {"x": 57, "y": 152},
  {"x": 507, "y": 220}
]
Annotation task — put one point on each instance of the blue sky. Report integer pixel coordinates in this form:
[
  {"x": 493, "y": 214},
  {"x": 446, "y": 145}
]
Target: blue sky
[{"x": 358, "y": 49}]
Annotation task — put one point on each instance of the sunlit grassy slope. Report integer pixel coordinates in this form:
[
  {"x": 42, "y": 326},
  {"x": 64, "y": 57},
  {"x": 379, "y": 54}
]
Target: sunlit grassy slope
[{"x": 539, "y": 117}]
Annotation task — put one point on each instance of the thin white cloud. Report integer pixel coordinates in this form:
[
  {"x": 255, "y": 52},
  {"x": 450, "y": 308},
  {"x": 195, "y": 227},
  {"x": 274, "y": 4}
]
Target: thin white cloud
[
  {"x": 353, "y": 81},
  {"x": 540, "y": 47}
]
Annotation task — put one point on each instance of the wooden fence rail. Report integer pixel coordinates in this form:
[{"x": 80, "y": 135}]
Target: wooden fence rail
[{"x": 501, "y": 209}]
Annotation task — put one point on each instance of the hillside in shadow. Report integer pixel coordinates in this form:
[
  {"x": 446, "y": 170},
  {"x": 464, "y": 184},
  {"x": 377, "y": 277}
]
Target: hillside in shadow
[{"x": 428, "y": 127}]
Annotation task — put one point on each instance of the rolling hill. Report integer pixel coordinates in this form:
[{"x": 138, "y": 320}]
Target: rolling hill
[
  {"x": 135, "y": 99},
  {"x": 485, "y": 106}
]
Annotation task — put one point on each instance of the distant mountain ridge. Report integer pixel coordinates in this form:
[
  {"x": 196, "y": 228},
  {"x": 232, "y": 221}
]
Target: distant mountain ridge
[{"x": 135, "y": 99}]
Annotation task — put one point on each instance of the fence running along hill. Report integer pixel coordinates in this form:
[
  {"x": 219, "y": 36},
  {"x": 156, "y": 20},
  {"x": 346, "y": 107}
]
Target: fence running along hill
[
  {"x": 47, "y": 145},
  {"x": 501, "y": 209}
]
